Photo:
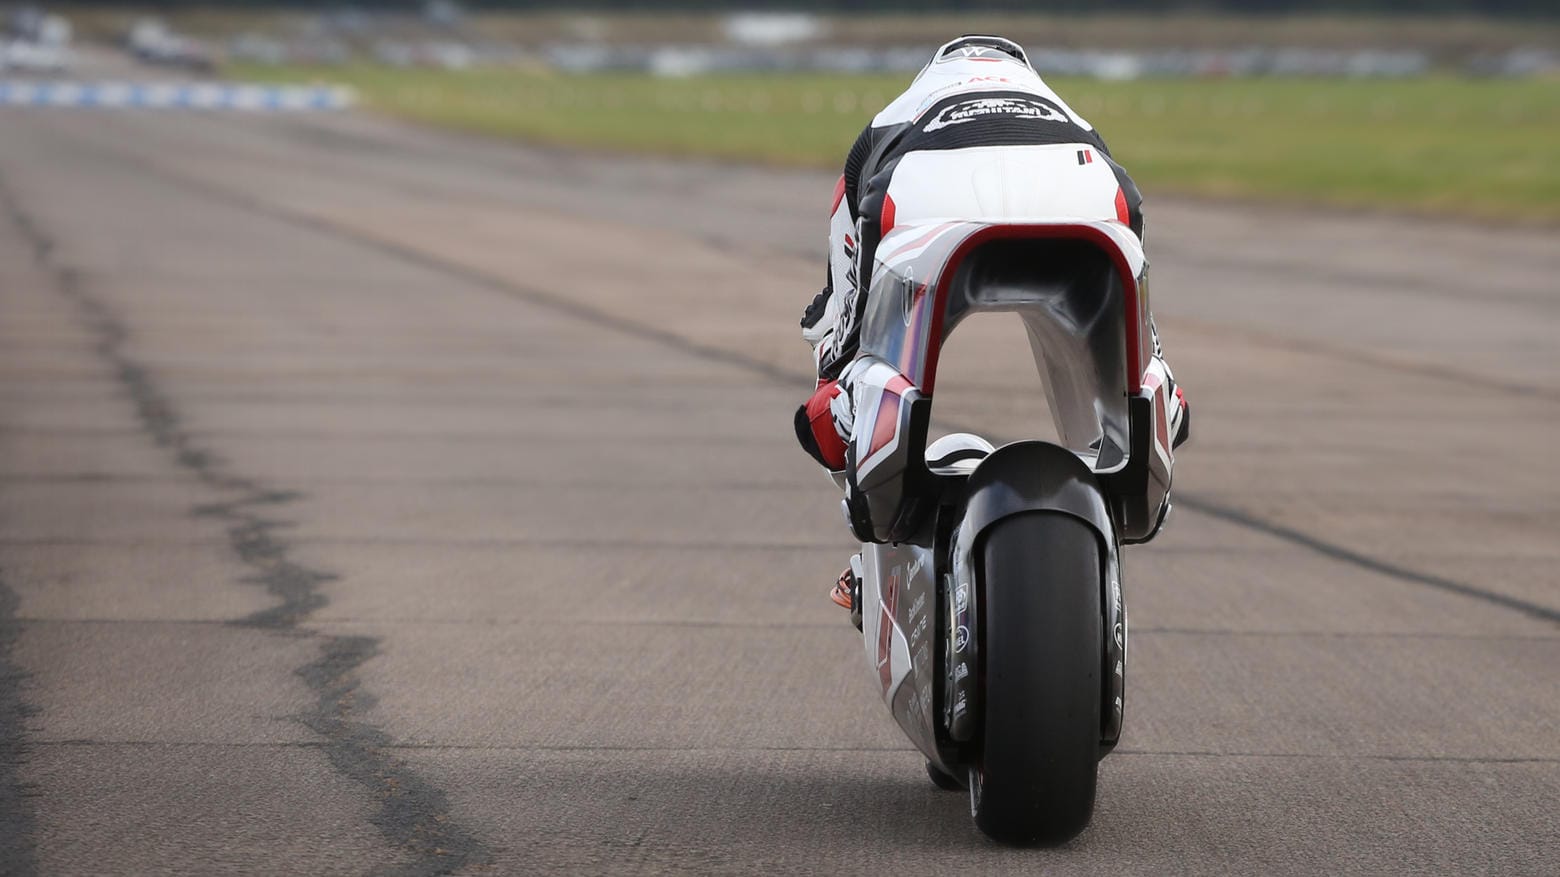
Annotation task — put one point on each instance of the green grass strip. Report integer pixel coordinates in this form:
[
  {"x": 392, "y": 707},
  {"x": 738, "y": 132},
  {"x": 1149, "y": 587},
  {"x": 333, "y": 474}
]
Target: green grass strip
[{"x": 1482, "y": 149}]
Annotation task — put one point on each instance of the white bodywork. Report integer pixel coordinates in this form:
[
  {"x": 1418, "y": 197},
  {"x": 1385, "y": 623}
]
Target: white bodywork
[{"x": 1003, "y": 183}]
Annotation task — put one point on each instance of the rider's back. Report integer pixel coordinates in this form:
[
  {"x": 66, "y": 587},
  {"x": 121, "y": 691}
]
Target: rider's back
[{"x": 979, "y": 135}]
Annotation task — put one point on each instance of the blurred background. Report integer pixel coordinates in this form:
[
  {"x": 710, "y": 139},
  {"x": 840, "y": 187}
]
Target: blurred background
[
  {"x": 1344, "y": 103},
  {"x": 396, "y": 456}
]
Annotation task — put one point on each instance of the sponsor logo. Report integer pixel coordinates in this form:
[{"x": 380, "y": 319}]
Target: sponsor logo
[
  {"x": 961, "y": 638},
  {"x": 834, "y": 345},
  {"x": 850, "y": 266},
  {"x": 960, "y": 672},
  {"x": 1115, "y": 599},
  {"x": 967, "y": 53},
  {"x": 974, "y": 83},
  {"x": 911, "y": 296},
  {"x": 1024, "y": 108}
]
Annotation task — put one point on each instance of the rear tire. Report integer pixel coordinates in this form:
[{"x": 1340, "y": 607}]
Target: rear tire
[{"x": 1042, "y": 634}]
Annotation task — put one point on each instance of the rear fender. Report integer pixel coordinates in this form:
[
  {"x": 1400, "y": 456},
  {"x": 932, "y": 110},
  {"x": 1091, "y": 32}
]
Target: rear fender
[{"x": 1033, "y": 476}]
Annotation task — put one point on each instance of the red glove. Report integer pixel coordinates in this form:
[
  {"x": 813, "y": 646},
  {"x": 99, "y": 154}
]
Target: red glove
[{"x": 815, "y": 428}]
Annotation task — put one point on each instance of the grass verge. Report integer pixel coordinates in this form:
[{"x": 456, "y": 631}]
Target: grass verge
[{"x": 1445, "y": 146}]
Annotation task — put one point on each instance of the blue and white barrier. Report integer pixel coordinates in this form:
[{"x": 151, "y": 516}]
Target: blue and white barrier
[{"x": 173, "y": 96}]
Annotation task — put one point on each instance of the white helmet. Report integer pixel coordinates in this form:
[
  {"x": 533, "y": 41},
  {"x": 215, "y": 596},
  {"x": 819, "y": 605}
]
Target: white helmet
[{"x": 978, "y": 47}]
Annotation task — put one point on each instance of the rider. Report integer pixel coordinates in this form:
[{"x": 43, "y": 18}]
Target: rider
[{"x": 977, "y": 92}]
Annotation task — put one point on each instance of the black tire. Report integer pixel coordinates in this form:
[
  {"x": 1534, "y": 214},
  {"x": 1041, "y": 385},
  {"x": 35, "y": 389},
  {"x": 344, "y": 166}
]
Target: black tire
[
  {"x": 1041, "y": 635},
  {"x": 942, "y": 780}
]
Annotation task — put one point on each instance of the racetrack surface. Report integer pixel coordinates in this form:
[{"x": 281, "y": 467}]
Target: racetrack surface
[{"x": 377, "y": 500}]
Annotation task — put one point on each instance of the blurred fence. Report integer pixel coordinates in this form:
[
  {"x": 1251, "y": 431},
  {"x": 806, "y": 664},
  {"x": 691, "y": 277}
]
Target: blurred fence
[
  {"x": 688, "y": 60},
  {"x": 193, "y": 96}
]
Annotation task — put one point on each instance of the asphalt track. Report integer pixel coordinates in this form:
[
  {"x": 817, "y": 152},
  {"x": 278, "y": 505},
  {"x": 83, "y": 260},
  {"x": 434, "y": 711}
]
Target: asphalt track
[{"x": 374, "y": 500}]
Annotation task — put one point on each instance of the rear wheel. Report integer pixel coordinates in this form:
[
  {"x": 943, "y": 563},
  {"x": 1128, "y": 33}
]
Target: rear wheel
[{"x": 1041, "y": 630}]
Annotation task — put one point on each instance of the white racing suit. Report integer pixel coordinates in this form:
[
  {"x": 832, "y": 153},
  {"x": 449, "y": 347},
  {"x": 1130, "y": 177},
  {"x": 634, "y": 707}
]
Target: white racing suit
[{"x": 978, "y": 135}]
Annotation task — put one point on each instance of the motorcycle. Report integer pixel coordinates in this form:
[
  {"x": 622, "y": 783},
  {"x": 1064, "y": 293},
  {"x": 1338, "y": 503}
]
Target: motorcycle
[{"x": 988, "y": 588}]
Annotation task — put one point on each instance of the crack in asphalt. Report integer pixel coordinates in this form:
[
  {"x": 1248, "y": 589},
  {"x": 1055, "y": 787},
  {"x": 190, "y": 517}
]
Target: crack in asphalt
[
  {"x": 412, "y": 813},
  {"x": 1232, "y": 515},
  {"x": 18, "y": 854},
  {"x": 864, "y": 750},
  {"x": 1401, "y": 364}
]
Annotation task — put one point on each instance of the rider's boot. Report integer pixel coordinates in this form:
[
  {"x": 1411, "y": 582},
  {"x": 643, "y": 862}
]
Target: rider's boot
[
  {"x": 846, "y": 592},
  {"x": 843, "y": 589}
]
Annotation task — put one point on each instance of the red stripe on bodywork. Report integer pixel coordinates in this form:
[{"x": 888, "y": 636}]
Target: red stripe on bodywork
[
  {"x": 889, "y": 212},
  {"x": 887, "y": 422},
  {"x": 1122, "y": 213},
  {"x": 885, "y": 641},
  {"x": 839, "y": 195},
  {"x": 933, "y": 232}
]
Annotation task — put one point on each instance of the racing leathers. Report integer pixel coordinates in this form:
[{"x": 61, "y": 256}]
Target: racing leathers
[{"x": 977, "y": 105}]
